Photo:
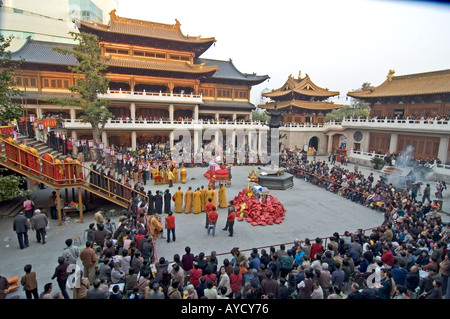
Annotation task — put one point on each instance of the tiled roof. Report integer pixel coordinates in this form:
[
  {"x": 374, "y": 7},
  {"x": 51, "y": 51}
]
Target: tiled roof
[
  {"x": 144, "y": 28},
  {"x": 231, "y": 104},
  {"x": 301, "y": 104},
  {"x": 408, "y": 85},
  {"x": 160, "y": 66},
  {"x": 42, "y": 52},
  {"x": 228, "y": 71},
  {"x": 301, "y": 86}
]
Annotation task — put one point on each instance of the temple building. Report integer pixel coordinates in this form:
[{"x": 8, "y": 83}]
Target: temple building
[
  {"x": 157, "y": 76},
  {"x": 408, "y": 113},
  {"x": 301, "y": 101}
]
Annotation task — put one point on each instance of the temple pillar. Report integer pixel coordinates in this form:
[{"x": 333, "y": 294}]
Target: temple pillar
[
  {"x": 133, "y": 140},
  {"x": 393, "y": 143},
  {"x": 171, "y": 111},
  {"x": 105, "y": 139},
  {"x": 73, "y": 115},
  {"x": 443, "y": 149},
  {"x": 132, "y": 110},
  {"x": 196, "y": 113},
  {"x": 171, "y": 138}
]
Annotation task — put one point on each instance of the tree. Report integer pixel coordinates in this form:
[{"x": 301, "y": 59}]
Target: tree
[
  {"x": 90, "y": 82},
  {"x": 260, "y": 115},
  {"x": 9, "y": 110},
  {"x": 356, "y": 108}
]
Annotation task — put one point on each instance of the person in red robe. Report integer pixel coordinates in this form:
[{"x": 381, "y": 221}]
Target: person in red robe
[
  {"x": 47, "y": 165},
  {"x": 22, "y": 157},
  {"x": 58, "y": 172},
  {"x": 34, "y": 160},
  {"x": 10, "y": 150}
]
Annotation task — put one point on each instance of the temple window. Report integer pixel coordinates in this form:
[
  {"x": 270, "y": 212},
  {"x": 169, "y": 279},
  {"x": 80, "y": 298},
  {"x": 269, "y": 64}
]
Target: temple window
[
  {"x": 26, "y": 81},
  {"x": 224, "y": 93},
  {"x": 55, "y": 83}
]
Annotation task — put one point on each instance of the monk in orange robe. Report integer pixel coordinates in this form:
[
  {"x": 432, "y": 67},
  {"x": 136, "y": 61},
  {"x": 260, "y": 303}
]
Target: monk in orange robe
[
  {"x": 69, "y": 169},
  {"x": 78, "y": 171}
]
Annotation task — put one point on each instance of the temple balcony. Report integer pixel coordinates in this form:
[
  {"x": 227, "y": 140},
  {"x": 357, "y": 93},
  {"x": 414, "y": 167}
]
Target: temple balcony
[
  {"x": 431, "y": 125},
  {"x": 151, "y": 97}
]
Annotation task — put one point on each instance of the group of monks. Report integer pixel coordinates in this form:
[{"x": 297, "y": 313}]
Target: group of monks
[
  {"x": 196, "y": 201},
  {"x": 169, "y": 175},
  {"x": 27, "y": 158}
]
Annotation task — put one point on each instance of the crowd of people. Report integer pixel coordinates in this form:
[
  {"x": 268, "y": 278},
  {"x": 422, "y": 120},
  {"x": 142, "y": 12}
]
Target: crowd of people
[{"x": 406, "y": 257}]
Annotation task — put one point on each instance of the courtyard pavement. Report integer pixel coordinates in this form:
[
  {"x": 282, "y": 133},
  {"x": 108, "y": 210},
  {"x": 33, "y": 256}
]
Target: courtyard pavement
[{"x": 311, "y": 212}]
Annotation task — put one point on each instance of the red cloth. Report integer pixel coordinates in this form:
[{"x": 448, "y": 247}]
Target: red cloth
[
  {"x": 195, "y": 276},
  {"x": 209, "y": 206},
  {"x": 213, "y": 216},
  {"x": 315, "y": 249},
  {"x": 170, "y": 222},
  {"x": 235, "y": 282},
  {"x": 231, "y": 216},
  {"x": 388, "y": 258}
]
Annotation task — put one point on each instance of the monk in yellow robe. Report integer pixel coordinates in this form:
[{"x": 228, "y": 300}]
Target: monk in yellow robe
[
  {"x": 183, "y": 174},
  {"x": 222, "y": 197},
  {"x": 188, "y": 201},
  {"x": 156, "y": 176},
  {"x": 178, "y": 199},
  {"x": 156, "y": 227},
  {"x": 78, "y": 171},
  {"x": 197, "y": 201},
  {"x": 214, "y": 197},
  {"x": 203, "y": 200},
  {"x": 175, "y": 174}
]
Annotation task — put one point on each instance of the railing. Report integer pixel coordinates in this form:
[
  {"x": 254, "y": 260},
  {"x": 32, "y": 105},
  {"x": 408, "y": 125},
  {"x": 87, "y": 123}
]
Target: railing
[
  {"x": 156, "y": 94},
  {"x": 431, "y": 121}
]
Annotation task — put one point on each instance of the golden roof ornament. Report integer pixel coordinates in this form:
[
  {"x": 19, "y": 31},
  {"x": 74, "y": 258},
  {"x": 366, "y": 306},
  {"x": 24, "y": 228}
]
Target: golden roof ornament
[
  {"x": 299, "y": 74},
  {"x": 390, "y": 75}
]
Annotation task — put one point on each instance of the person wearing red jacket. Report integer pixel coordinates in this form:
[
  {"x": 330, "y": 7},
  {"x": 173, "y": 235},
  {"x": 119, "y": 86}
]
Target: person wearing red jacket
[
  {"x": 170, "y": 226},
  {"x": 230, "y": 220},
  {"x": 387, "y": 258},
  {"x": 316, "y": 248},
  {"x": 212, "y": 218}
]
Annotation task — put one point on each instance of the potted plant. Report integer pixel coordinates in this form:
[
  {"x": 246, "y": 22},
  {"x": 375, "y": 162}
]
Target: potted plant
[{"x": 377, "y": 162}]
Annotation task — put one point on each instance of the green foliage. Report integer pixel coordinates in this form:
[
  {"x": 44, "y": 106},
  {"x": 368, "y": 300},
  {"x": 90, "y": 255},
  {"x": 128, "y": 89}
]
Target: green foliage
[
  {"x": 260, "y": 115},
  {"x": 91, "y": 81},
  {"x": 347, "y": 111},
  {"x": 9, "y": 110},
  {"x": 10, "y": 186},
  {"x": 378, "y": 162},
  {"x": 356, "y": 108}
]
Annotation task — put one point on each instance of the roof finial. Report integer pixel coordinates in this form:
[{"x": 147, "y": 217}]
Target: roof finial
[
  {"x": 299, "y": 74},
  {"x": 390, "y": 75}
]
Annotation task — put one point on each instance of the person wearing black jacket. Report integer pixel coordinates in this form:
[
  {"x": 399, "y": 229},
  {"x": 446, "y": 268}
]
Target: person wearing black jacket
[
  {"x": 158, "y": 202},
  {"x": 167, "y": 201}
]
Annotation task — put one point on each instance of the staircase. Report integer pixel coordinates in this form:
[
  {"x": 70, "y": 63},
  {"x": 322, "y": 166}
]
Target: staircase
[
  {"x": 80, "y": 176},
  {"x": 41, "y": 147}
]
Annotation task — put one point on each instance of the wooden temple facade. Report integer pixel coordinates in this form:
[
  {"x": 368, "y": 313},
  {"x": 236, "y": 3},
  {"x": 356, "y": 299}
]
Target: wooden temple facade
[
  {"x": 409, "y": 114},
  {"x": 156, "y": 73}
]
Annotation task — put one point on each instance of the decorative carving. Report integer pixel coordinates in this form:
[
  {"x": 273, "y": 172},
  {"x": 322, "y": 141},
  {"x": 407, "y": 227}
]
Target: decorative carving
[{"x": 390, "y": 75}]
